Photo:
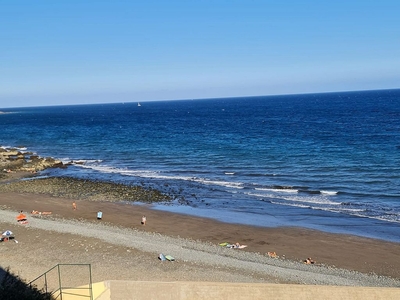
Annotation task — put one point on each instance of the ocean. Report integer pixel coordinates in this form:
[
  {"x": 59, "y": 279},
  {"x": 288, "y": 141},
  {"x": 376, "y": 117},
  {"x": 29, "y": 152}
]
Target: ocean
[{"x": 328, "y": 161}]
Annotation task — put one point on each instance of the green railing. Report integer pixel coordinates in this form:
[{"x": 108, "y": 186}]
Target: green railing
[{"x": 66, "y": 280}]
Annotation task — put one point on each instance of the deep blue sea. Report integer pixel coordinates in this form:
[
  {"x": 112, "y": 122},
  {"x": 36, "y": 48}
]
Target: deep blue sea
[{"x": 324, "y": 161}]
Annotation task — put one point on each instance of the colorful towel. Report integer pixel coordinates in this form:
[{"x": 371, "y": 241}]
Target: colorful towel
[{"x": 169, "y": 257}]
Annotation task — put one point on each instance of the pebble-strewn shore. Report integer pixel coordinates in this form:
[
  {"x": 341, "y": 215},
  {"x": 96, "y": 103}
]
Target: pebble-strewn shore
[
  {"x": 70, "y": 236},
  {"x": 71, "y": 188},
  {"x": 203, "y": 255}
]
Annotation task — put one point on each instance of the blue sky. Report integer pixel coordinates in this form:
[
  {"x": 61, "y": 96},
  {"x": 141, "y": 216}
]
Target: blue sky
[{"x": 79, "y": 52}]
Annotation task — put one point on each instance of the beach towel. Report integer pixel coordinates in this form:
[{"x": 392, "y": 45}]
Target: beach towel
[
  {"x": 169, "y": 258},
  {"x": 235, "y": 246},
  {"x": 40, "y": 213}
]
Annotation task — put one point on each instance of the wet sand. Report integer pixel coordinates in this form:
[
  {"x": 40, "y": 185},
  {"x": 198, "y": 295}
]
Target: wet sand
[{"x": 343, "y": 251}]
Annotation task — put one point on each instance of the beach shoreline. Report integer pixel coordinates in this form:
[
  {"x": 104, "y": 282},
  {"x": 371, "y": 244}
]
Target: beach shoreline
[
  {"x": 122, "y": 253},
  {"x": 292, "y": 244}
]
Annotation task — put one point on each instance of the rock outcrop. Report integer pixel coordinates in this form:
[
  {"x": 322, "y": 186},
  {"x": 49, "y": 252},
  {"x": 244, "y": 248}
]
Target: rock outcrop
[{"x": 15, "y": 160}]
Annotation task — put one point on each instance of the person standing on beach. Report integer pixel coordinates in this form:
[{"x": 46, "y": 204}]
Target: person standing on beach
[
  {"x": 144, "y": 219},
  {"x": 74, "y": 205},
  {"x": 99, "y": 215}
]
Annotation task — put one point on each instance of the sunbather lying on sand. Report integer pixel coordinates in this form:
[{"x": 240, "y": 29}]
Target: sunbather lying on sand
[
  {"x": 309, "y": 261},
  {"x": 229, "y": 245},
  {"x": 6, "y": 236},
  {"x": 272, "y": 254},
  {"x": 35, "y": 212},
  {"x": 238, "y": 246}
]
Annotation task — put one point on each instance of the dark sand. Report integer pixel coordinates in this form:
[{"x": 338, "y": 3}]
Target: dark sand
[{"x": 342, "y": 251}]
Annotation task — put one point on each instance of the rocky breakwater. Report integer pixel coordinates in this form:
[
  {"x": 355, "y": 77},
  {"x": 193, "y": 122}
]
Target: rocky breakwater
[{"x": 12, "y": 160}]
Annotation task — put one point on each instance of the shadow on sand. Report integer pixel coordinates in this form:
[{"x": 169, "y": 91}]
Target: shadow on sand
[{"x": 13, "y": 288}]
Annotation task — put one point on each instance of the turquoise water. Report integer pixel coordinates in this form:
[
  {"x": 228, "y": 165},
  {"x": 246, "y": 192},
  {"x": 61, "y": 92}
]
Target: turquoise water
[{"x": 323, "y": 161}]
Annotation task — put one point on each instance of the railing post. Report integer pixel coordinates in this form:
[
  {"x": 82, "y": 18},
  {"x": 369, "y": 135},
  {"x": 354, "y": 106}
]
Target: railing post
[
  {"x": 45, "y": 281},
  {"x": 59, "y": 281},
  {"x": 90, "y": 282},
  {"x": 47, "y": 284}
]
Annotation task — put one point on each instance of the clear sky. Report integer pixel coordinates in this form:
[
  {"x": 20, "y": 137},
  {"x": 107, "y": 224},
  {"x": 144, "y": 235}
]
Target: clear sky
[{"x": 79, "y": 52}]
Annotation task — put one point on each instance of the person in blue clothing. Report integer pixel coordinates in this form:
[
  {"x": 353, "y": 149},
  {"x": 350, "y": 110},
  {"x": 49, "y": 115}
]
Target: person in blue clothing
[{"x": 99, "y": 215}]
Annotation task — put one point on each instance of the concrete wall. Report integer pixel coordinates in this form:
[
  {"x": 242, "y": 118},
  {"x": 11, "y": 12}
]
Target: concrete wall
[{"x": 136, "y": 290}]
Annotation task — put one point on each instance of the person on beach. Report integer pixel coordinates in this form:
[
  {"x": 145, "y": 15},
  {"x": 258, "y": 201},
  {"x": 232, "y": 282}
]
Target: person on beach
[
  {"x": 144, "y": 219},
  {"x": 237, "y": 245},
  {"x": 99, "y": 215},
  {"x": 74, "y": 205},
  {"x": 35, "y": 212},
  {"x": 309, "y": 261},
  {"x": 21, "y": 218}
]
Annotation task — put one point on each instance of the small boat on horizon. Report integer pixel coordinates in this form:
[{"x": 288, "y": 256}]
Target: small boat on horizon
[{"x": 139, "y": 104}]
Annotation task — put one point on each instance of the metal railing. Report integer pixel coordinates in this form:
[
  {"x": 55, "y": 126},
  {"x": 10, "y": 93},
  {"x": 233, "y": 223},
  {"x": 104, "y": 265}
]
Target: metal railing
[{"x": 66, "y": 280}]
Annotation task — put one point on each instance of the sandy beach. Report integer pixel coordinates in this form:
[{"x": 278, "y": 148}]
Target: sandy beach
[{"x": 119, "y": 247}]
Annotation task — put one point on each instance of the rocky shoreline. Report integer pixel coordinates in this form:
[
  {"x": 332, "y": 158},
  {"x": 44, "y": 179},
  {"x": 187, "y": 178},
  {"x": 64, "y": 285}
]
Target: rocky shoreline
[
  {"x": 80, "y": 189},
  {"x": 13, "y": 160},
  {"x": 27, "y": 164}
]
